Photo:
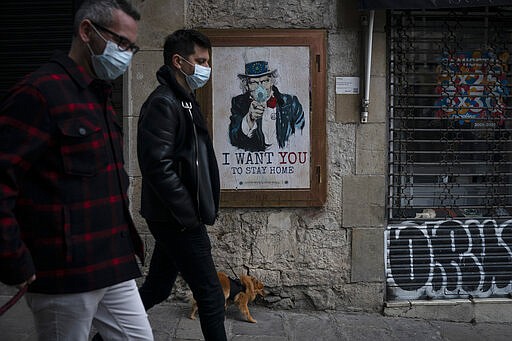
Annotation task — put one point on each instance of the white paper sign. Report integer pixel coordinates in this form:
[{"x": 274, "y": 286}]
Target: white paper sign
[{"x": 347, "y": 85}]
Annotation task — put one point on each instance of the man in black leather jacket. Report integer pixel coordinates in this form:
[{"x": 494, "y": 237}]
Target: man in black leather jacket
[{"x": 180, "y": 181}]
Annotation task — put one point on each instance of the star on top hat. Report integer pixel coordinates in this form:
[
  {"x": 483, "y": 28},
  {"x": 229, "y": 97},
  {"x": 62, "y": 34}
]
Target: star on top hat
[{"x": 256, "y": 62}]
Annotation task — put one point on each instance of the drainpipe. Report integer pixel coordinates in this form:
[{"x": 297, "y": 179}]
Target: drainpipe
[{"x": 368, "y": 67}]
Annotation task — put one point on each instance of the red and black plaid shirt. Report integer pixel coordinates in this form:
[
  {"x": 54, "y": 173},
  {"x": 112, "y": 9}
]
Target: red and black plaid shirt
[{"x": 63, "y": 188}]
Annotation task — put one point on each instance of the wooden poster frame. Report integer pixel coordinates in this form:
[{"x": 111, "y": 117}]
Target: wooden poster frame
[{"x": 315, "y": 40}]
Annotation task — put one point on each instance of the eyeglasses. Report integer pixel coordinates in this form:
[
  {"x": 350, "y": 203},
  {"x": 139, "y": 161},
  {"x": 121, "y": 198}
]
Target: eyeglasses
[
  {"x": 123, "y": 43},
  {"x": 264, "y": 81}
]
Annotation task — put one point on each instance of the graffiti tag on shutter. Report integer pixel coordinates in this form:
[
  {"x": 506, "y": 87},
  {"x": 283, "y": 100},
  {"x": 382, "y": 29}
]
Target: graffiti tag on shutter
[{"x": 448, "y": 259}]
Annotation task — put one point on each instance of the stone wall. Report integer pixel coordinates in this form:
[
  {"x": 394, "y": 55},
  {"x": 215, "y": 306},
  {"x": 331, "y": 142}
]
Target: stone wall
[{"x": 313, "y": 258}]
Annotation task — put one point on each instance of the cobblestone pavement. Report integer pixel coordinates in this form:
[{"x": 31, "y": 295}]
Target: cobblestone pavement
[{"x": 171, "y": 323}]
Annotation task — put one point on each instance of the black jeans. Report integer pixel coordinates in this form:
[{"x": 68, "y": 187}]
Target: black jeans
[{"x": 187, "y": 253}]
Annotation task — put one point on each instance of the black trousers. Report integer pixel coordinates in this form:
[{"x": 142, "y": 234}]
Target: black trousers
[{"x": 187, "y": 253}]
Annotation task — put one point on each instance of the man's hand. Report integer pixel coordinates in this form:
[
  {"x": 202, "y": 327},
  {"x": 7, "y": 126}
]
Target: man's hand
[
  {"x": 27, "y": 282},
  {"x": 256, "y": 110}
]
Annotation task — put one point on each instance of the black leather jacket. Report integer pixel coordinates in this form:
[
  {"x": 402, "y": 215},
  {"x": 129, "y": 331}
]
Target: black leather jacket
[{"x": 180, "y": 177}]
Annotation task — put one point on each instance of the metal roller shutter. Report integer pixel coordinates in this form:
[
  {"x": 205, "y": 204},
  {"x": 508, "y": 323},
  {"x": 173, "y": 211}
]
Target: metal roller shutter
[
  {"x": 31, "y": 32},
  {"x": 450, "y": 173}
]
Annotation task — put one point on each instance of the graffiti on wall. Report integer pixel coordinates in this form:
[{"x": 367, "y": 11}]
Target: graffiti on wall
[{"x": 449, "y": 259}]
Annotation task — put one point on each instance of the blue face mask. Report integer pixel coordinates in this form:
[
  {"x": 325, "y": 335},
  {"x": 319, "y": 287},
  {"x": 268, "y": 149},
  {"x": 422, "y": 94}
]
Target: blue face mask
[
  {"x": 112, "y": 63},
  {"x": 260, "y": 94},
  {"x": 200, "y": 76}
]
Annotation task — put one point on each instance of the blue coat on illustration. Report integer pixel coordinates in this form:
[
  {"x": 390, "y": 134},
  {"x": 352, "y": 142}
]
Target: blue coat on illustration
[{"x": 289, "y": 118}]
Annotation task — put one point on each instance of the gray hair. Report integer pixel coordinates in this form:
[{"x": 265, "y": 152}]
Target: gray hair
[{"x": 100, "y": 11}]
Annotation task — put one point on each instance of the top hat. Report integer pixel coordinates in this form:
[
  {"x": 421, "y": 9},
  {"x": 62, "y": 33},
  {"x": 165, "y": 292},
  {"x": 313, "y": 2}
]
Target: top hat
[{"x": 256, "y": 62}]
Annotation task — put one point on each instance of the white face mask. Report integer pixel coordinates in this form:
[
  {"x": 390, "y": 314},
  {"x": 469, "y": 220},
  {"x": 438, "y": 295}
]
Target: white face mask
[
  {"x": 200, "y": 76},
  {"x": 112, "y": 63}
]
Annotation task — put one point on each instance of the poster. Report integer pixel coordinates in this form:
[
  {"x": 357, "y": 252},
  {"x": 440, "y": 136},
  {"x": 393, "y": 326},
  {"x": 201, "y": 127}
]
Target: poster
[
  {"x": 261, "y": 116},
  {"x": 472, "y": 87}
]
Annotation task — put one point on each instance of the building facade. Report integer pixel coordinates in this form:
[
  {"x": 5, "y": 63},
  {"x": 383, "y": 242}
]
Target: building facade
[
  {"x": 417, "y": 215},
  {"x": 419, "y": 197}
]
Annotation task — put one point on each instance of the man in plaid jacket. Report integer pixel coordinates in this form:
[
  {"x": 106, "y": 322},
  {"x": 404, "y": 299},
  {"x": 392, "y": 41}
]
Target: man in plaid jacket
[{"x": 65, "y": 225}]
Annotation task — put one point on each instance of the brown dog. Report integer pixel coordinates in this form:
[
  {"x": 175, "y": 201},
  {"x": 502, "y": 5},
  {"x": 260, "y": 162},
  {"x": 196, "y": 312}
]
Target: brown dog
[{"x": 241, "y": 292}]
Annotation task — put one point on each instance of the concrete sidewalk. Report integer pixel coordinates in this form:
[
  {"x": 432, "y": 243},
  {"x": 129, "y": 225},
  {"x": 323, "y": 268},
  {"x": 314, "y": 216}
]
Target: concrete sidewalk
[{"x": 171, "y": 323}]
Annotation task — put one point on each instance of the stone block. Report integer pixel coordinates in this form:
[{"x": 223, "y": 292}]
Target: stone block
[
  {"x": 371, "y": 149},
  {"x": 344, "y": 54},
  {"x": 188, "y": 329},
  {"x": 270, "y": 278},
  {"x": 493, "y": 310},
  {"x": 134, "y": 192},
  {"x": 444, "y": 310},
  {"x": 276, "y": 248},
  {"x": 319, "y": 328},
  {"x": 143, "y": 80},
  {"x": 363, "y": 201},
  {"x": 130, "y": 146},
  {"x": 377, "y": 110},
  {"x": 278, "y": 222},
  {"x": 341, "y": 155},
  {"x": 262, "y": 14},
  {"x": 379, "y": 24},
  {"x": 367, "y": 255},
  {"x": 266, "y": 329},
  {"x": 361, "y": 296},
  {"x": 159, "y": 18},
  {"x": 149, "y": 246},
  {"x": 347, "y": 108},
  {"x": 379, "y": 55},
  {"x": 322, "y": 299}
]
